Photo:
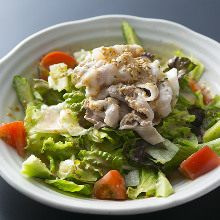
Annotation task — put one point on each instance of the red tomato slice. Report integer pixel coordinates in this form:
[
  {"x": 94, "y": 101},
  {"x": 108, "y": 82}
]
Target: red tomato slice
[
  {"x": 110, "y": 186},
  {"x": 54, "y": 58},
  {"x": 199, "y": 163},
  {"x": 14, "y": 134}
]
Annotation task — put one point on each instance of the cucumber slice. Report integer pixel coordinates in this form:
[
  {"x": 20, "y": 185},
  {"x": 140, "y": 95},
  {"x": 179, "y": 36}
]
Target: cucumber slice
[
  {"x": 212, "y": 133},
  {"x": 34, "y": 167},
  {"x": 130, "y": 34},
  {"x": 23, "y": 90},
  {"x": 163, "y": 186}
]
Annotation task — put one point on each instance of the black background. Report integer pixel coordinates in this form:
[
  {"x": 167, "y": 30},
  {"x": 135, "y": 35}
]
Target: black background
[{"x": 21, "y": 18}]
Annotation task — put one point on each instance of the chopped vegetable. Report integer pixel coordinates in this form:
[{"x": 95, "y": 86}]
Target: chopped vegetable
[
  {"x": 199, "y": 163},
  {"x": 110, "y": 186},
  {"x": 14, "y": 135},
  {"x": 54, "y": 58},
  {"x": 34, "y": 167},
  {"x": 151, "y": 183},
  {"x": 146, "y": 186},
  {"x": 58, "y": 78}
]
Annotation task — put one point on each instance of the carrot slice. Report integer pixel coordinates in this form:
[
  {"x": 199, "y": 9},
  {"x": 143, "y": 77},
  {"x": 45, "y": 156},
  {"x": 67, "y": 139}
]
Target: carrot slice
[{"x": 54, "y": 58}]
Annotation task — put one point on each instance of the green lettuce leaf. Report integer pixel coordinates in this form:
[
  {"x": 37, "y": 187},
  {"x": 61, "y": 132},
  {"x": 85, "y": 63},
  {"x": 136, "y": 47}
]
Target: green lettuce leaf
[
  {"x": 84, "y": 172},
  {"x": 45, "y": 94},
  {"x": 115, "y": 136},
  {"x": 70, "y": 122},
  {"x": 199, "y": 102},
  {"x": 53, "y": 144},
  {"x": 162, "y": 152},
  {"x": 187, "y": 147},
  {"x": 98, "y": 136},
  {"x": 176, "y": 124},
  {"x": 60, "y": 150},
  {"x": 146, "y": 186},
  {"x": 75, "y": 100},
  {"x": 101, "y": 160},
  {"x": 78, "y": 170},
  {"x": 35, "y": 139},
  {"x": 70, "y": 186},
  {"x": 189, "y": 140},
  {"x": 52, "y": 119},
  {"x": 145, "y": 154},
  {"x": 33, "y": 114},
  {"x": 105, "y": 139},
  {"x": 52, "y": 164},
  {"x": 50, "y": 145},
  {"x": 111, "y": 134},
  {"x": 183, "y": 153},
  {"x": 152, "y": 182},
  {"x": 77, "y": 95}
]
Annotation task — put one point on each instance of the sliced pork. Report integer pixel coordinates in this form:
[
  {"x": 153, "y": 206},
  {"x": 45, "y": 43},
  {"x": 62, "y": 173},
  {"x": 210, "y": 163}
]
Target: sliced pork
[
  {"x": 103, "y": 112},
  {"x": 126, "y": 90}
]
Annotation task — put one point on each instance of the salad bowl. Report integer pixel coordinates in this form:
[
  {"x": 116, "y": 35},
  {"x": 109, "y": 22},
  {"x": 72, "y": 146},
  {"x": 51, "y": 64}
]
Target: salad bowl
[{"x": 158, "y": 36}]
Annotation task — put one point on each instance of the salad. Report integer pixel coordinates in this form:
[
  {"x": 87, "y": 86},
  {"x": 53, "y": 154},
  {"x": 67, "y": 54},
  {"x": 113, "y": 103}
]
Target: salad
[{"x": 113, "y": 123}]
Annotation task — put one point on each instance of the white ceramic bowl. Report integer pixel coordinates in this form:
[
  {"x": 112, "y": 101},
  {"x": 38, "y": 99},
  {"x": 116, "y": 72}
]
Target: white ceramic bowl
[{"x": 160, "y": 36}]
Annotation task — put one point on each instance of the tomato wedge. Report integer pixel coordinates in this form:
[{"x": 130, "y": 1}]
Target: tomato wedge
[
  {"x": 14, "y": 134},
  {"x": 199, "y": 163},
  {"x": 110, "y": 186},
  {"x": 54, "y": 58}
]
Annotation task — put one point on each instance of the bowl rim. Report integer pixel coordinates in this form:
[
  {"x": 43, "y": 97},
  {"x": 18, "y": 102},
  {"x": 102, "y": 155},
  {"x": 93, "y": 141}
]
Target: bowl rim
[
  {"x": 5, "y": 57},
  {"x": 91, "y": 210}
]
